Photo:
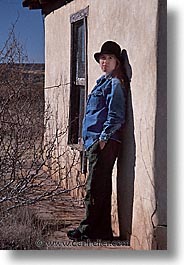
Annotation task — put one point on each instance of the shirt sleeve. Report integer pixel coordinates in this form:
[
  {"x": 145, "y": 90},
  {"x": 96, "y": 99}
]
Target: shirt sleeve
[{"x": 116, "y": 103}]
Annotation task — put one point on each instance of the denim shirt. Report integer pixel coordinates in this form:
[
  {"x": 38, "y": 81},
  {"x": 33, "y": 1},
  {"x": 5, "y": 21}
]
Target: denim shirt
[{"x": 105, "y": 111}]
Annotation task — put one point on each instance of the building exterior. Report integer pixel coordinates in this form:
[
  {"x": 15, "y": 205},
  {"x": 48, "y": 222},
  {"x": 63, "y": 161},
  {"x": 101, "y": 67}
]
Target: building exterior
[{"x": 74, "y": 30}]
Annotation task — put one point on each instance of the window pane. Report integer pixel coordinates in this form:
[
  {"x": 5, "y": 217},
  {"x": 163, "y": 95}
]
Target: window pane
[
  {"x": 80, "y": 50},
  {"x": 77, "y": 114},
  {"x": 74, "y": 115},
  {"x": 81, "y": 109}
]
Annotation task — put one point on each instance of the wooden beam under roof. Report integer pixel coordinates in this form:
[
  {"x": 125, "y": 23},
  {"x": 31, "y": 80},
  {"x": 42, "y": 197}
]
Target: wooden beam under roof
[
  {"x": 32, "y": 4},
  {"x": 42, "y": 4}
]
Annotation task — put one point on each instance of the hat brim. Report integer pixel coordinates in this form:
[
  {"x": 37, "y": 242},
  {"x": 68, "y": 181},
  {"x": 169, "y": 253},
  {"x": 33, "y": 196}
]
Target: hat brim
[{"x": 97, "y": 56}]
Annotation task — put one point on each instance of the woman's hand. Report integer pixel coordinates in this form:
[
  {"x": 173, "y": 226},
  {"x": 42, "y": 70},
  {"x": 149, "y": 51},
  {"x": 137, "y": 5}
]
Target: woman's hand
[{"x": 102, "y": 144}]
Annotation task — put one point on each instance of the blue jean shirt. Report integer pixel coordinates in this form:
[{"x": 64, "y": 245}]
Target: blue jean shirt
[{"x": 105, "y": 111}]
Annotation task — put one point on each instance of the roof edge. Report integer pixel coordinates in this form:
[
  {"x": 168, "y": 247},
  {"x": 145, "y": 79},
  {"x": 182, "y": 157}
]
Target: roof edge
[
  {"x": 46, "y": 6},
  {"x": 32, "y": 4}
]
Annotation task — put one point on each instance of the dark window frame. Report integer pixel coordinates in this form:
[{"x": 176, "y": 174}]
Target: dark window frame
[{"x": 78, "y": 85}]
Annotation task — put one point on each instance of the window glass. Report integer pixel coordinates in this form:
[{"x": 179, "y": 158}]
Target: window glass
[{"x": 80, "y": 51}]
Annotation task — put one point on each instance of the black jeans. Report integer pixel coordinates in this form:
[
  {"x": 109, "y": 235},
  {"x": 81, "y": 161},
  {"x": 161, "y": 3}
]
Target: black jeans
[{"x": 97, "y": 223}]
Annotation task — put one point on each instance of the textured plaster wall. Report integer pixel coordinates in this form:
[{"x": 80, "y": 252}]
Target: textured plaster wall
[{"x": 134, "y": 25}]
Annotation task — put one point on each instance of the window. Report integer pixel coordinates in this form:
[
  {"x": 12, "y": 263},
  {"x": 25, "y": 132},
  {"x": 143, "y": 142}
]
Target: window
[{"x": 78, "y": 88}]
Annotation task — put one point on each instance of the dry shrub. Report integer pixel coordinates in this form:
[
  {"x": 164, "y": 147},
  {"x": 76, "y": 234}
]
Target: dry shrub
[{"x": 19, "y": 230}]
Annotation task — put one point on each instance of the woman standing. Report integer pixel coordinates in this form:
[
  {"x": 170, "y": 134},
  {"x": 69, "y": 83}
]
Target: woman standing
[{"x": 102, "y": 125}]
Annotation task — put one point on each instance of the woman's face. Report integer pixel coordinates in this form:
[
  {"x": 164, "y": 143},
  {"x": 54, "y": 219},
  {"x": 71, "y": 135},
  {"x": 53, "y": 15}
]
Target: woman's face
[{"x": 108, "y": 63}]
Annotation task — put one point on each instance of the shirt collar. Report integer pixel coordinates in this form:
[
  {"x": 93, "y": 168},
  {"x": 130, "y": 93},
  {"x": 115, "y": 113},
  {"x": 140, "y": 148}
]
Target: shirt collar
[{"x": 108, "y": 76}]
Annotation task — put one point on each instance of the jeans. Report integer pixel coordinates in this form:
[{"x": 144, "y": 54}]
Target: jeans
[{"x": 97, "y": 223}]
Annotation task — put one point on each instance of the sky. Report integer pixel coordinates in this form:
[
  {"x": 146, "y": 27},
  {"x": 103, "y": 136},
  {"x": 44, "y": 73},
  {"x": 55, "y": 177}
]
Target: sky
[{"x": 29, "y": 28}]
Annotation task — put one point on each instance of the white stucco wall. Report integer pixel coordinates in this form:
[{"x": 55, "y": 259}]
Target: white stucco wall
[{"x": 133, "y": 24}]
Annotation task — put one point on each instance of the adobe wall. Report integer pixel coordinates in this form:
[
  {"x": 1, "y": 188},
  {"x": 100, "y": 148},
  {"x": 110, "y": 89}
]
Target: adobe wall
[{"x": 134, "y": 25}]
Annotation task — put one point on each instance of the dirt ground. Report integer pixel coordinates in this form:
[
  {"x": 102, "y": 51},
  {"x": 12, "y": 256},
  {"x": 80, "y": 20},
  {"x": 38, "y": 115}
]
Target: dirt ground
[{"x": 59, "y": 216}]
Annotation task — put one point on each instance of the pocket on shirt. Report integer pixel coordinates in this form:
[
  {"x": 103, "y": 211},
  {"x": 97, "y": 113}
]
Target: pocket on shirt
[{"x": 97, "y": 100}]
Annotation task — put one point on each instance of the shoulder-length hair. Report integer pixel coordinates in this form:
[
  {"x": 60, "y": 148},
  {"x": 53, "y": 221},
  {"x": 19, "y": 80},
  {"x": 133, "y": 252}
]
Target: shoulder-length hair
[{"x": 120, "y": 73}]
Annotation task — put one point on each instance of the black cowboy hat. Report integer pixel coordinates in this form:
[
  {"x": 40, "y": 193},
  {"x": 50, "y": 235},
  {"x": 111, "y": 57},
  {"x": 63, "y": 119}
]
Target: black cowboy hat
[{"x": 109, "y": 47}]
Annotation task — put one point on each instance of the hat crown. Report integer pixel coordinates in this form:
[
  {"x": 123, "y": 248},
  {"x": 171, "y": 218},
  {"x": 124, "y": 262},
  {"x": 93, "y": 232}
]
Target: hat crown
[{"x": 111, "y": 47}]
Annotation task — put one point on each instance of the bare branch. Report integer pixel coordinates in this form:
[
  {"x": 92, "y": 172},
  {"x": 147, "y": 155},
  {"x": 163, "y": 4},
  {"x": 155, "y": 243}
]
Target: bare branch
[{"x": 31, "y": 165}]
